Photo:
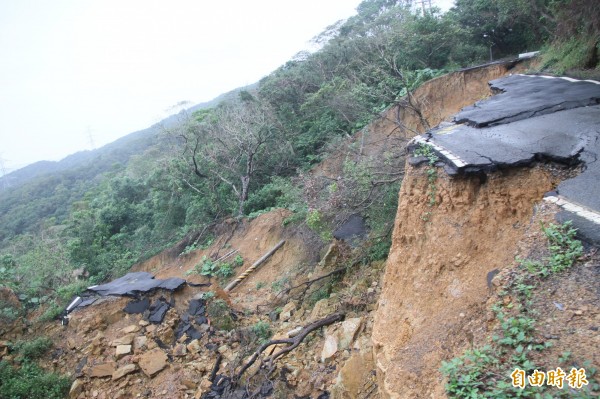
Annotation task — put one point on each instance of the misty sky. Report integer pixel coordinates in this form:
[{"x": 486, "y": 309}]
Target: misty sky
[{"x": 81, "y": 73}]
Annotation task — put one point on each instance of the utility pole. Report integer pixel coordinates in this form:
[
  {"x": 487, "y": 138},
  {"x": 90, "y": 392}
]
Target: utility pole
[
  {"x": 425, "y": 5},
  {"x": 3, "y": 171},
  {"x": 90, "y": 138}
]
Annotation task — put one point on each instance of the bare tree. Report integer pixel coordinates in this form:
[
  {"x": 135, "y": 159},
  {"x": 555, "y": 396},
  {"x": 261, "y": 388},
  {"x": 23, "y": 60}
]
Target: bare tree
[{"x": 233, "y": 143}]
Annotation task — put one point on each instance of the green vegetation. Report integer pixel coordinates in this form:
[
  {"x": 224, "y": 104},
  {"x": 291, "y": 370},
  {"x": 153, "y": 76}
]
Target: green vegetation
[
  {"x": 220, "y": 315},
  {"x": 314, "y": 220},
  {"x": 238, "y": 261},
  {"x": 321, "y": 293},
  {"x": 280, "y": 284},
  {"x": 210, "y": 268},
  {"x": 207, "y": 296},
  {"x": 262, "y": 330},
  {"x": 426, "y": 151},
  {"x": 564, "y": 248},
  {"x": 32, "y": 350},
  {"x": 29, "y": 381},
  {"x": 576, "y": 40},
  {"x": 485, "y": 372}
]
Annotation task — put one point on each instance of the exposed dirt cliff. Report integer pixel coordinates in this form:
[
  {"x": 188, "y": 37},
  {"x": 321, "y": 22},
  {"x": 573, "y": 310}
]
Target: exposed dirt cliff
[{"x": 435, "y": 288}]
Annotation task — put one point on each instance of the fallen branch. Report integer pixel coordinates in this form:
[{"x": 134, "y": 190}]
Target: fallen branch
[
  {"x": 292, "y": 343},
  {"x": 216, "y": 367},
  {"x": 310, "y": 282}
]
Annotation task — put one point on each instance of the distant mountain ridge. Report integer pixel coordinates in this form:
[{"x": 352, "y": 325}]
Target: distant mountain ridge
[
  {"x": 47, "y": 189},
  {"x": 119, "y": 150}
]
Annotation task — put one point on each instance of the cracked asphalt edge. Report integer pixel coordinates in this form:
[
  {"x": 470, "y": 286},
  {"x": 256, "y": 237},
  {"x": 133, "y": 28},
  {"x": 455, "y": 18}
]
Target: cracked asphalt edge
[{"x": 573, "y": 207}]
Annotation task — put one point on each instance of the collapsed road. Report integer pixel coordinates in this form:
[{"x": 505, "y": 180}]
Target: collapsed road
[
  {"x": 137, "y": 285},
  {"x": 533, "y": 118},
  {"x": 131, "y": 285}
]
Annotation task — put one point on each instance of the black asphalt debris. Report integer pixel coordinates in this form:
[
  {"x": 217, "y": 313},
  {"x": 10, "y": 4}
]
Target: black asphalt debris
[
  {"x": 158, "y": 310},
  {"x": 195, "y": 316},
  {"x": 533, "y": 118},
  {"x": 137, "y": 307},
  {"x": 133, "y": 284}
]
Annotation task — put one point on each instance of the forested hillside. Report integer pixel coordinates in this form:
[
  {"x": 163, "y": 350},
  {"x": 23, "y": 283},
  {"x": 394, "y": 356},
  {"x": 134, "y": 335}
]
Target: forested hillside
[{"x": 253, "y": 151}]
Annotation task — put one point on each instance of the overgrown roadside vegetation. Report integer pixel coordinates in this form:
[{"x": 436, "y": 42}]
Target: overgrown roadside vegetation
[{"x": 507, "y": 366}]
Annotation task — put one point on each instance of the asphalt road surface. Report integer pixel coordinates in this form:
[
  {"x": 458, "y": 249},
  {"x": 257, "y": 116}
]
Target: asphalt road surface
[{"x": 533, "y": 118}]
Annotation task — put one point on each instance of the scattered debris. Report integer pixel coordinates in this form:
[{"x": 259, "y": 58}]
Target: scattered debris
[
  {"x": 135, "y": 306},
  {"x": 158, "y": 310}
]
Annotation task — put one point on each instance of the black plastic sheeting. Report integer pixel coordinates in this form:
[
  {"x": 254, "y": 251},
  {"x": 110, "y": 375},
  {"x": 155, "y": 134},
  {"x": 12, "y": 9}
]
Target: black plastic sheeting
[{"x": 353, "y": 229}]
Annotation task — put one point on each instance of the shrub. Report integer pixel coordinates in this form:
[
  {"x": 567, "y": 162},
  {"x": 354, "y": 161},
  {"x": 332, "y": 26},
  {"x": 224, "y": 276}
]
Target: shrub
[
  {"x": 262, "y": 330},
  {"x": 225, "y": 270},
  {"x": 8, "y": 312},
  {"x": 238, "y": 260},
  {"x": 219, "y": 315},
  {"x": 314, "y": 220},
  {"x": 33, "y": 349},
  {"x": 31, "y": 382}
]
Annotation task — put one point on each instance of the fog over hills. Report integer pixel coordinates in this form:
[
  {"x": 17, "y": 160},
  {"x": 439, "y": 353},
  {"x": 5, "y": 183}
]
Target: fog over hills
[{"x": 101, "y": 159}]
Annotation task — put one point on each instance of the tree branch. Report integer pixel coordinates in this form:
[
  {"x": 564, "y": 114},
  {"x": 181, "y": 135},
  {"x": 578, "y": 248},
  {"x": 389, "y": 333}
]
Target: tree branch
[{"x": 291, "y": 342}]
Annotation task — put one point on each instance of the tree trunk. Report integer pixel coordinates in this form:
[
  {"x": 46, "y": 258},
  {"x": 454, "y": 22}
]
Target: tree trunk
[{"x": 243, "y": 194}]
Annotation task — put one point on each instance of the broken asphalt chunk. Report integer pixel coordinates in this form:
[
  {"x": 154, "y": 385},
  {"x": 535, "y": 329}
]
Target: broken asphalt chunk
[{"x": 132, "y": 284}]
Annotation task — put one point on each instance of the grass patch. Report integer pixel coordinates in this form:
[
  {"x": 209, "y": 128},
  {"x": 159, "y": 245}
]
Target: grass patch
[{"x": 575, "y": 53}]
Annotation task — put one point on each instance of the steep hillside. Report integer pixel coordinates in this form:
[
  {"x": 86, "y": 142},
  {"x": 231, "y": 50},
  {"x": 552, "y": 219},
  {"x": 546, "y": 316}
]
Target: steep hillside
[
  {"x": 445, "y": 323},
  {"x": 319, "y": 237},
  {"x": 388, "y": 326},
  {"x": 48, "y": 189}
]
